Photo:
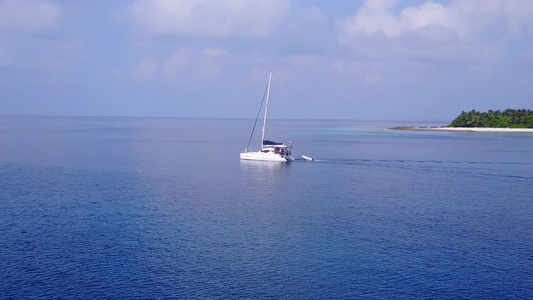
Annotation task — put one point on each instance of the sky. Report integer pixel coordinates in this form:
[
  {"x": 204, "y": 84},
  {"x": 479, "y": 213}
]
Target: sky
[{"x": 362, "y": 60}]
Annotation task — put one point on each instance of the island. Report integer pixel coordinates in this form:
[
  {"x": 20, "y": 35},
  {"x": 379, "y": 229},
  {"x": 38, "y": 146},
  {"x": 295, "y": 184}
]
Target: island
[{"x": 509, "y": 120}]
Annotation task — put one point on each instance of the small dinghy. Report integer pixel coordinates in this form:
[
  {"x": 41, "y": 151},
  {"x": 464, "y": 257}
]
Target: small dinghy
[{"x": 307, "y": 158}]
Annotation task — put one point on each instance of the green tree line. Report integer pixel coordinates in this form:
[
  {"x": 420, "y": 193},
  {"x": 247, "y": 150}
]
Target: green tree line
[{"x": 512, "y": 118}]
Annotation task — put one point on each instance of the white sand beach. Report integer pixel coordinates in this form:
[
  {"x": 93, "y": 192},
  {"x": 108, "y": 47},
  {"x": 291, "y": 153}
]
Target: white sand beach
[
  {"x": 483, "y": 129},
  {"x": 465, "y": 129}
]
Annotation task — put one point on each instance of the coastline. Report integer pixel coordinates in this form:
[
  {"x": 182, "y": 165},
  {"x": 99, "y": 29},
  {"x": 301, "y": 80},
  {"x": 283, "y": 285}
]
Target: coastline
[{"x": 462, "y": 129}]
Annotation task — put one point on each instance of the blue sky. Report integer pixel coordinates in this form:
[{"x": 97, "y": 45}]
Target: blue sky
[{"x": 370, "y": 60}]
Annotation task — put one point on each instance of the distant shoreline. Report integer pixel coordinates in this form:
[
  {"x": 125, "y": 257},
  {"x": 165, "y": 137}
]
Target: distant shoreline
[{"x": 462, "y": 129}]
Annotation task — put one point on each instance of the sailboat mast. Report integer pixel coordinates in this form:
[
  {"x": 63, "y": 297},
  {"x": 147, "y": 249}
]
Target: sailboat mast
[{"x": 266, "y": 110}]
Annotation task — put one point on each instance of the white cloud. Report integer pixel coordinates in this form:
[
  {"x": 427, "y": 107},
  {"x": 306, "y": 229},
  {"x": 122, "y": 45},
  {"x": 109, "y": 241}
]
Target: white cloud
[
  {"x": 210, "y": 66},
  {"x": 372, "y": 17},
  {"x": 205, "y": 63},
  {"x": 212, "y": 53},
  {"x": 376, "y": 17},
  {"x": 146, "y": 69},
  {"x": 473, "y": 36},
  {"x": 178, "y": 61},
  {"x": 254, "y": 18},
  {"x": 463, "y": 19},
  {"x": 28, "y": 15},
  {"x": 519, "y": 16},
  {"x": 366, "y": 73}
]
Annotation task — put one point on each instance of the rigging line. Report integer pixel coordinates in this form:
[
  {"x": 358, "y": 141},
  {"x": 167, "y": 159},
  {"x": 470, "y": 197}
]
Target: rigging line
[{"x": 256, "y": 118}]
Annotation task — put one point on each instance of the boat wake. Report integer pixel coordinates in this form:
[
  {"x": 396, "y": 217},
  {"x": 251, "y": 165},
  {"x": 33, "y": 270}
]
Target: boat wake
[{"x": 473, "y": 168}]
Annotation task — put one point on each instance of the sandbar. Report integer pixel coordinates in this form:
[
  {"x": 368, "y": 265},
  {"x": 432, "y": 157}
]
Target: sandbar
[{"x": 463, "y": 129}]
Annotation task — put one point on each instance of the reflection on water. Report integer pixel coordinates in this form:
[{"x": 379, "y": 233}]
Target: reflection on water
[
  {"x": 101, "y": 208},
  {"x": 263, "y": 166},
  {"x": 264, "y": 174}
]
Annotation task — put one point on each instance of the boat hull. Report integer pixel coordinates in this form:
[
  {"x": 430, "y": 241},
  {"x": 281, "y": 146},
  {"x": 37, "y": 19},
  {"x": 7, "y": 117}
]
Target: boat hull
[{"x": 265, "y": 156}]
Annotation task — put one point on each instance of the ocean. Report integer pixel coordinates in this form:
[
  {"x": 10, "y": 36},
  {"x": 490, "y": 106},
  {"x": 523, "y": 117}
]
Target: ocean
[{"x": 154, "y": 208}]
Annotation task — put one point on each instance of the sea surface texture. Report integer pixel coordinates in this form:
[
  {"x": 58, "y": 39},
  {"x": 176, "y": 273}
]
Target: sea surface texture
[{"x": 139, "y": 208}]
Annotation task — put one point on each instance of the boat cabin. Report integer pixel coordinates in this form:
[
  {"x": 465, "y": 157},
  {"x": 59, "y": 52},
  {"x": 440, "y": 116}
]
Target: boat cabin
[{"x": 276, "y": 148}]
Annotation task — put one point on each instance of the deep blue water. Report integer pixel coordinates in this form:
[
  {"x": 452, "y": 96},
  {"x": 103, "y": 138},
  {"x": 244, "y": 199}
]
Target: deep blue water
[{"x": 137, "y": 208}]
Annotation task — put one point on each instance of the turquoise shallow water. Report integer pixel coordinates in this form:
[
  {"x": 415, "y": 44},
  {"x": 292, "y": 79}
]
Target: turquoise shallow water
[{"x": 163, "y": 208}]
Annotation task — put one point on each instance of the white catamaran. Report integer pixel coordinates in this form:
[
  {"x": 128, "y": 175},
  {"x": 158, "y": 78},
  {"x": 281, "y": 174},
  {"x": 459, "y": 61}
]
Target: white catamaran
[{"x": 270, "y": 151}]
